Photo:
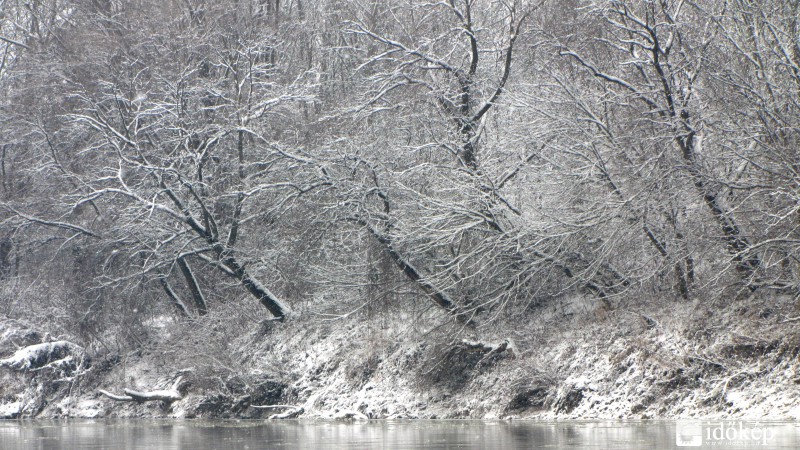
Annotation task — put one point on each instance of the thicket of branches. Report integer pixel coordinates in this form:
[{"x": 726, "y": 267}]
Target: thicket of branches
[{"x": 464, "y": 158}]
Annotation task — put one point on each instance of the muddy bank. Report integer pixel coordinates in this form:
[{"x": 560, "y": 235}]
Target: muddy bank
[{"x": 570, "y": 359}]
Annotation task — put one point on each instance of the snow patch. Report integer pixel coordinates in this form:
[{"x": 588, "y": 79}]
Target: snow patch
[
  {"x": 57, "y": 354},
  {"x": 10, "y": 410}
]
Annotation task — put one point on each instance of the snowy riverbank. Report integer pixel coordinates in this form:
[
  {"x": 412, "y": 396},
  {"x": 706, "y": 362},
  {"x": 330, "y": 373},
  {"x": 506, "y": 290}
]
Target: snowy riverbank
[{"x": 567, "y": 360}]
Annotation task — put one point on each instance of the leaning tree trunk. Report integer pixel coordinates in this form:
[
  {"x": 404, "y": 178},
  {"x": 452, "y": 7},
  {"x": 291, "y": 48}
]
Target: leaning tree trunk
[
  {"x": 194, "y": 286},
  {"x": 275, "y": 306}
]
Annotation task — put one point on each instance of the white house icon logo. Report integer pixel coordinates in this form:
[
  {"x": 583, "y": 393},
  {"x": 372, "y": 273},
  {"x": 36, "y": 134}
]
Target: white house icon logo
[{"x": 689, "y": 435}]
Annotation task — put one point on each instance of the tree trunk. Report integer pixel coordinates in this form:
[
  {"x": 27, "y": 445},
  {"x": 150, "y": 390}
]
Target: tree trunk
[
  {"x": 440, "y": 298},
  {"x": 194, "y": 286},
  {"x": 174, "y": 298},
  {"x": 258, "y": 290}
]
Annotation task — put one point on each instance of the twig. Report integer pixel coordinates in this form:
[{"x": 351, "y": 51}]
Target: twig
[{"x": 12, "y": 41}]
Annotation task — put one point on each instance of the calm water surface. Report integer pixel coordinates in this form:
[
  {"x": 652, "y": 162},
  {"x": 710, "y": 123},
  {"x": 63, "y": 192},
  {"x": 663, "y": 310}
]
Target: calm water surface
[{"x": 433, "y": 434}]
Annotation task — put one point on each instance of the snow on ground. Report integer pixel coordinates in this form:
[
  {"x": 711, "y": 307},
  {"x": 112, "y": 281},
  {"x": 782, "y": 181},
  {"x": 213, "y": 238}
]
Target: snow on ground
[
  {"x": 35, "y": 356},
  {"x": 671, "y": 362},
  {"x": 684, "y": 360},
  {"x": 81, "y": 408},
  {"x": 10, "y": 410}
]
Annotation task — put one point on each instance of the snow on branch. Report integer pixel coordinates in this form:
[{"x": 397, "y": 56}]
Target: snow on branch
[{"x": 51, "y": 223}]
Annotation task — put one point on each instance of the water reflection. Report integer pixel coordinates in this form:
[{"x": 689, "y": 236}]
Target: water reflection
[{"x": 207, "y": 435}]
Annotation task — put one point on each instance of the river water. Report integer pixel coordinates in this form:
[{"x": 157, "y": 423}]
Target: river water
[{"x": 422, "y": 434}]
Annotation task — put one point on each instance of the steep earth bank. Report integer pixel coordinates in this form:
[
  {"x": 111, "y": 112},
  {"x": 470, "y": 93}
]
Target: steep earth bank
[{"x": 567, "y": 360}]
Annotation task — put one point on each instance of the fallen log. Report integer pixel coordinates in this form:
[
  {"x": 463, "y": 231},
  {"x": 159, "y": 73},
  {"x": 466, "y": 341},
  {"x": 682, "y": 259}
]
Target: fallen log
[
  {"x": 290, "y": 414},
  {"x": 275, "y": 406},
  {"x": 119, "y": 398},
  {"x": 165, "y": 395},
  {"x": 293, "y": 411}
]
